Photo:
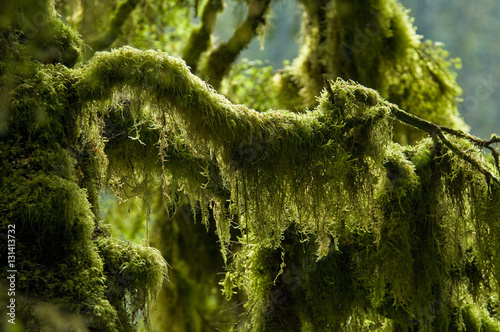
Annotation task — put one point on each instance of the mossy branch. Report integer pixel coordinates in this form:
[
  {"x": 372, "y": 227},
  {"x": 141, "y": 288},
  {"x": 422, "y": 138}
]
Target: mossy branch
[
  {"x": 199, "y": 40},
  {"x": 437, "y": 131},
  {"x": 121, "y": 14},
  {"x": 220, "y": 59},
  {"x": 203, "y": 112},
  {"x": 481, "y": 143},
  {"x": 168, "y": 81}
]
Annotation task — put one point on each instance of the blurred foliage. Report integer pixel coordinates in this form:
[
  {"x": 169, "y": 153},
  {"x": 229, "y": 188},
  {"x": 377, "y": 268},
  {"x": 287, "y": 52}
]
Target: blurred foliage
[
  {"x": 280, "y": 40},
  {"x": 250, "y": 83}
]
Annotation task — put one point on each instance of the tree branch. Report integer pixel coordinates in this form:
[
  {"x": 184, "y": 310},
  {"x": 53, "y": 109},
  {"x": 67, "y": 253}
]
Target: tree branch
[
  {"x": 121, "y": 14},
  {"x": 438, "y": 131},
  {"x": 199, "y": 40},
  {"x": 215, "y": 124},
  {"x": 168, "y": 83},
  {"x": 220, "y": 60}
]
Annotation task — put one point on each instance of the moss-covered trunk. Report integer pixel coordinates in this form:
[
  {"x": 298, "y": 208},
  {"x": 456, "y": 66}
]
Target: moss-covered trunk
[{"x": 70, "y": 271}]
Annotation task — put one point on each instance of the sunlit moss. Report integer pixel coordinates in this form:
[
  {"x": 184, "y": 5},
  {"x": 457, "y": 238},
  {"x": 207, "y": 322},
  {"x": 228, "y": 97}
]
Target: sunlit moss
[
  {"x": 376, "y": 45},
  {"x": 337, "y": 226},
  {"x": 134, "y": 277}
]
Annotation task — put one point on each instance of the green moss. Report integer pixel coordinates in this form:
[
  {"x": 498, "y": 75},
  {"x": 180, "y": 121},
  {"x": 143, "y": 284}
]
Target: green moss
[
  {"x": 476, "y": 319},
  {"x": 134, "y": 277},
  {"x": 191, "y": 300},
  {"x": 273, "y": 163},
  {"x": 376, "y": 45},
  {"x": 290, "y": 289},
  {"x": 50, "y": 172},
  {"x": 39, "y": 109},
  {"x": 54, "y": 225},
  {"x": 42, "y": 36},
  {"x": 339, "y": 227}
]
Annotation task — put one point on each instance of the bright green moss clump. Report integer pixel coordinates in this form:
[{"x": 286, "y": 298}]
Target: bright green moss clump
[
  {"x": 134, "y": 277},
  {"x": 49, "y": 175}
]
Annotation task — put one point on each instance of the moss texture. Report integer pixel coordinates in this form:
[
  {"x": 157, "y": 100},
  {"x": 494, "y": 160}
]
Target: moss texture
[
  {"x": 50, "y": 171},
  {"x": 324, "y": 222},
  {"x": 376, "y": 45}
]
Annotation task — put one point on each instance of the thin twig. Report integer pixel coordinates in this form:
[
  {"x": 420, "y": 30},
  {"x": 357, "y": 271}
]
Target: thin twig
[{"x": 438, "y": 131}]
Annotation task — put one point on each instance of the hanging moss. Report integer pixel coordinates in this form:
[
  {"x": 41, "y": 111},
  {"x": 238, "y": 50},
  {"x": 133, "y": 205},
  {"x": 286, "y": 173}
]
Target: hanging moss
[
  {"x": 376, "y": 45},
  {"x": 267, "y": 134},
  {"x": 339, "y": 227},
  {"x": 50, "y": 178},
  {"x": 192, "y": 300},
  {"x": 134, "y": 277}
]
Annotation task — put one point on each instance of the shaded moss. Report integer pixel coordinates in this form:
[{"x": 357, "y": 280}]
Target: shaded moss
[
  {"x": 50, "y": 172},
  {"x": 42, "y": 35}
]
